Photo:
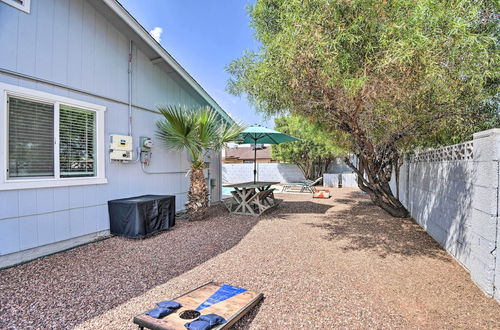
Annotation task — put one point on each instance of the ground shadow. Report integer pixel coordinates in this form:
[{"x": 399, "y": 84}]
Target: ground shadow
[
  {"x": 67, "y": 288},
  {"x": 287, "y": 209},
  {"x": 246, "y": 320},
  {"x": 364, "y": 226},
  {"x": 439, "y": 197}
]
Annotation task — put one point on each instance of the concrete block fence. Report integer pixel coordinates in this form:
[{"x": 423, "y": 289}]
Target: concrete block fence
[
  {"x": 453, "y": 193},
  {"x": 346, "y": 179},
  {"x": 278, "y": 172}
]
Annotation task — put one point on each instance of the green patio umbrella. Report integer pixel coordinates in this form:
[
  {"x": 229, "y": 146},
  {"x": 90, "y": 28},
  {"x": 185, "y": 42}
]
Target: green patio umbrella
[{"x": 262, "y": 135}]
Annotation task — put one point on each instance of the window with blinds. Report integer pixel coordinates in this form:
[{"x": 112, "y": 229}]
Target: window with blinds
[
  {"x": 40, "y": 147},
  {"x": 49, "y": 140},
  {"x": 77, "y": 132},
  {"x": 31, "y": 138}
]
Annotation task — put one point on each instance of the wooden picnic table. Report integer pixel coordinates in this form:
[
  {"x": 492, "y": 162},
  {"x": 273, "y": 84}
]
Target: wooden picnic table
[
  {"x": 251, "y": 198},
  {"x": 261, "y": 185}
]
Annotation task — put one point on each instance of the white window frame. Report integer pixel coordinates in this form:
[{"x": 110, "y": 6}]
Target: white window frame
[
  {"x": 7, "y": 90},
  {"x": 25, "y": 6}
]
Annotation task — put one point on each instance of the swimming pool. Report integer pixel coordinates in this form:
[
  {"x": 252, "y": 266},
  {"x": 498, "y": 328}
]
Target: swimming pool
[{"x": 227, "y": 190}]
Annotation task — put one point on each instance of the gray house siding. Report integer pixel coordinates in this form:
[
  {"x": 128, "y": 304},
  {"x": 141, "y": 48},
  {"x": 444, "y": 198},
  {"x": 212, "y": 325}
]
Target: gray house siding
[{"x": 70, "y": 43}]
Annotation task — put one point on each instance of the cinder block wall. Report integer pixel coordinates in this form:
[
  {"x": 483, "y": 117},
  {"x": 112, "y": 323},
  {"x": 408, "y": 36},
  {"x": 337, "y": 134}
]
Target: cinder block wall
[
  {"x": 347, "y": 179},
  {"x": 279, "y": 172},
  {"x": 452, "y": 192}
]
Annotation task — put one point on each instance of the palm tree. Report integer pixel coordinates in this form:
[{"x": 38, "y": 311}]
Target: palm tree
[{"x": 198, "y": 131}]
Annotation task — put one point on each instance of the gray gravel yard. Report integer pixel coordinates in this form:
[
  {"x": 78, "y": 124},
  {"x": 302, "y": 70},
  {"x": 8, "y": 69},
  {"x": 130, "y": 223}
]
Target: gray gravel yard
[{"x": 337, "y": 263}]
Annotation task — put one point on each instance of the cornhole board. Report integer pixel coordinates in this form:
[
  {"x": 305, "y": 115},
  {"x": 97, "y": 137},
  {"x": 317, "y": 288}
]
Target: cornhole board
[{"x": 228, "y": 301}]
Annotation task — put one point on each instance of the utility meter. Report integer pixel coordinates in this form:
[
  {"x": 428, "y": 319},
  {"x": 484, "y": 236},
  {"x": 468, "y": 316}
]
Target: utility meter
[
  {"x": 120, "y": 147},
  {"x": 146, "y": 143}
]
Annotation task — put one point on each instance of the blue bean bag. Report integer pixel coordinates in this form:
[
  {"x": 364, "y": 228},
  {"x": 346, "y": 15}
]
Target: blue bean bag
[
  {"x": 159, "y": 312},
  {"x": 205, "y": 322},
  {"x": 168, "y": 304}
]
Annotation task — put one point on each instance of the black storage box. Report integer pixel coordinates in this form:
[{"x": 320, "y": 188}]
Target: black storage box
[{"x": 140, "y": 216}]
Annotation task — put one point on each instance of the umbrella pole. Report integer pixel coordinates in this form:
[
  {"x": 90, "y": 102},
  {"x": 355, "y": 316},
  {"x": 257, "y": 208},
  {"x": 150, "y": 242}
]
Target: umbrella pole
[{"x": 254, "y": 160}]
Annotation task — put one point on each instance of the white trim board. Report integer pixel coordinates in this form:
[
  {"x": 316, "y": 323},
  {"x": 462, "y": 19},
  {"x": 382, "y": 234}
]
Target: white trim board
[
  {"x": 24, "y": 5},
  {"x": 15, "y": 258}
]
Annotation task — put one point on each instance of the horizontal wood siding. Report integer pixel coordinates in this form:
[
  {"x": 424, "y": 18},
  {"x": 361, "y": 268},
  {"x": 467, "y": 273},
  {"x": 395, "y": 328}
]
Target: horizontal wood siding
[{"x": 69, "y": 42}]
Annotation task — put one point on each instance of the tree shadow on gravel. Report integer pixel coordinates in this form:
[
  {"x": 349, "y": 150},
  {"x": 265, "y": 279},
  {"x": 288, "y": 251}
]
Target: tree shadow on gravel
[
  {"x": 365, "y": 227},
  {"x": 67, "y": 288},
  {"x": 290, "y": 208}
]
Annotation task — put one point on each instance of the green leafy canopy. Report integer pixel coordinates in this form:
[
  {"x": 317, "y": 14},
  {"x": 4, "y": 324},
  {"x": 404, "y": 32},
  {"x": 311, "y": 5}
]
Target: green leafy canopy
[
  {"x": 392, "y": 74},
  {"x": 405, "y": 69},
  {"x": 316, "y": 148}
]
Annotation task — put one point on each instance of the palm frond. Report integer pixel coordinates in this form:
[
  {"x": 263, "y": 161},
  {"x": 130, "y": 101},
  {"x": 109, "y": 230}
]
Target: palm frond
[
  {"x": 178, "y": 129},
  {"x": 227, "y": 133},
  {"x": 208, "y": 126},
  {"x": 195, "y": 130}
]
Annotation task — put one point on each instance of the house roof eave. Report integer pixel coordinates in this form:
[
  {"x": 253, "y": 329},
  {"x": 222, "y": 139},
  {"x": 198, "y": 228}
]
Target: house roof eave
[{"x": 144, "y": 35}]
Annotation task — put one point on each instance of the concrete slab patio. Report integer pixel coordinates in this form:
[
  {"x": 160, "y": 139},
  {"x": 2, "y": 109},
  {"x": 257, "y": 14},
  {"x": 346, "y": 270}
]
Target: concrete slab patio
[{"x": 337, "y": 263}]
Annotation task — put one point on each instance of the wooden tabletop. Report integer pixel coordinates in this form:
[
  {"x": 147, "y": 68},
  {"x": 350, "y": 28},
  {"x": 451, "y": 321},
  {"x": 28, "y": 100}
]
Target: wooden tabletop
[{"x": 250, "y": 185}]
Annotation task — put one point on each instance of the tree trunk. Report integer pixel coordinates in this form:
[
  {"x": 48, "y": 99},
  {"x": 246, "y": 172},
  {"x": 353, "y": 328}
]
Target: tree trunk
[
  {"x": 374, "y": 180},
  {"x": 308, "y": 169},
  {"x": 197, "y": 204},
  {"x": 396, "y": 172}
]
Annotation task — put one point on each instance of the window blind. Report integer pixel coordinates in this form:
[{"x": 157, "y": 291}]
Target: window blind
[
  {"x": 77, "y": 142},
  {"x": 31, "y": 138}
]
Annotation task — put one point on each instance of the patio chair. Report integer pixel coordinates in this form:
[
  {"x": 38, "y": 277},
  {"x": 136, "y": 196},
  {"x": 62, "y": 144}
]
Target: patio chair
[{"x": 306, "y": 186}]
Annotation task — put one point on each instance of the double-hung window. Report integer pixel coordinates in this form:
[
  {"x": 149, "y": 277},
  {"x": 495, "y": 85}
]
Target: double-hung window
[{"x": 50, "y": 140}]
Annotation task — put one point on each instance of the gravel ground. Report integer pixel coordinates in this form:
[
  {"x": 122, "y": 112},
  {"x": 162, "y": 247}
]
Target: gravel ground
[{"x": 337, "y": 263}]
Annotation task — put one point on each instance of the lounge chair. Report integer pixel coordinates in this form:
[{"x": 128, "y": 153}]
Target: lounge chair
[{"x": 306, "y": 186}]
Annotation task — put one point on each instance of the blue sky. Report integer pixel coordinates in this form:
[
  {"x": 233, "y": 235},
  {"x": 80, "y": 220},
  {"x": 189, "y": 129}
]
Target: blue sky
[{"x": 204, "y": 36}]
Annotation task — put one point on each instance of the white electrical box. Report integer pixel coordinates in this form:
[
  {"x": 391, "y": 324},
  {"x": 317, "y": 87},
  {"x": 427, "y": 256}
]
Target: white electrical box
[{"x": 120, "y": 147}]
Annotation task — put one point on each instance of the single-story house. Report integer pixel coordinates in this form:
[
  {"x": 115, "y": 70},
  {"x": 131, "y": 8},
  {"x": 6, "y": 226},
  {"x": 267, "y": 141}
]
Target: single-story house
[
  {"x": 79, "y": 85},
  {"x": 240, "y": 155}
]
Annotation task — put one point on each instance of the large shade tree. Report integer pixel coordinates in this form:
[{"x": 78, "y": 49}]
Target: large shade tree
[
  {"x": 199, "y": 132},
  {"x": 391, "y": 74}
]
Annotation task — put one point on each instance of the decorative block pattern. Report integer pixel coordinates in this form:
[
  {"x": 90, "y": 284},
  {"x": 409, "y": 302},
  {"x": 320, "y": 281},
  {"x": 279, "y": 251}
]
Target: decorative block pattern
[{"x": 462, "y": 151}]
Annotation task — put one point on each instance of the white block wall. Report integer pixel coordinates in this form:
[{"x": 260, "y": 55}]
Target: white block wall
[
  {"x": 348, "y": 180},
  {"x": 456, "y": 202},
  {"x": 278, "y": 172}
]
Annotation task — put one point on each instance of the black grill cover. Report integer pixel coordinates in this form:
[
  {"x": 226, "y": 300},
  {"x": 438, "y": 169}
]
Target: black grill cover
[{"x": 142, "y": 215}]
